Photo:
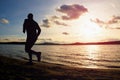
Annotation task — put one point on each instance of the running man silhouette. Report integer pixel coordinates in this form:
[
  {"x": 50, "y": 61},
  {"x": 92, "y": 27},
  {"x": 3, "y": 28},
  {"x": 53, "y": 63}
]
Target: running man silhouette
[{"x": 33, "y": 30}]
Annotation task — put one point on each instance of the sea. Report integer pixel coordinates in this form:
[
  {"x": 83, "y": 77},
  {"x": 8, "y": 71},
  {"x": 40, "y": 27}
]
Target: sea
[{"x": 82, "y": 56}]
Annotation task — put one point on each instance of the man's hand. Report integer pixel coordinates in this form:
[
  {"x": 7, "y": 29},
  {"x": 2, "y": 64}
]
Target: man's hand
[{"x": 23, "y": 31}]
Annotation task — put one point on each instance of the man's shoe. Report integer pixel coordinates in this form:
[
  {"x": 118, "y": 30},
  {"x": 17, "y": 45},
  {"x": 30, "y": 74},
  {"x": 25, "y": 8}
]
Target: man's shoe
[
  {"x": 29, "y": 63},
  {"x": 38, "y": 56}
]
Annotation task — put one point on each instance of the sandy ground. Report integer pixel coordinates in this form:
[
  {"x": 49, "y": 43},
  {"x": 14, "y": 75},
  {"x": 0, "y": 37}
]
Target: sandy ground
[{"x": 13, "y": 69}]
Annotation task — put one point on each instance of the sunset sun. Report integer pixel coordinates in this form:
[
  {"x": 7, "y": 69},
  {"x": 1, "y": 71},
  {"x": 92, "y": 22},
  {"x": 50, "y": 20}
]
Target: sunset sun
[{"x": 89, "y": 29}]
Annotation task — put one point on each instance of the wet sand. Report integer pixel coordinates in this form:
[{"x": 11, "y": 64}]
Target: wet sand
[{"x": 14, "y": 69}]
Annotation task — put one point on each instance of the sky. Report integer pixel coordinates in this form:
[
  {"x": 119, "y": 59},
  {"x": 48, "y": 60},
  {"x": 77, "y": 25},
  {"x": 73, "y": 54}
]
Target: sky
[{"x": 62, "y": 21}]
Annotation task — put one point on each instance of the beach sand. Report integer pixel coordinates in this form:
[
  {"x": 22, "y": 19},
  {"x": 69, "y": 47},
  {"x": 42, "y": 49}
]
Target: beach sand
[{"x": 14, "y": 69}]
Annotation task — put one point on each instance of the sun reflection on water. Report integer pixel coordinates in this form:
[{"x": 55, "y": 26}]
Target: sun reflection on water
[{"x": 92, "y": 55}]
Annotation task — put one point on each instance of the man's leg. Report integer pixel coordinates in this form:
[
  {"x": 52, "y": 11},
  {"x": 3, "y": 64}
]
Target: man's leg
[
  {"x": 30, "y": 57},
  {"x": 38, "y": 54},
  {"x": 28, "y": 47},
  {"x": 29, "y": 44}
]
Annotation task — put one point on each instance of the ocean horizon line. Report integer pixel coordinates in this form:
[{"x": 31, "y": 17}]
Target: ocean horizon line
[{"x": 73, "y": 43}]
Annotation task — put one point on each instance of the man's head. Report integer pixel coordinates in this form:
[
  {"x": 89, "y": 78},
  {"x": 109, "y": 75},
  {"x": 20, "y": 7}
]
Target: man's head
[{"x": 30, "y": 16}]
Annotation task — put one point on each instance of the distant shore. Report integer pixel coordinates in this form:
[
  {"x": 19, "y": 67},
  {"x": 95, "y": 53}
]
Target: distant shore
[
  {"x": 13, "y": 69},
  {"x": 75, "y": 43}
]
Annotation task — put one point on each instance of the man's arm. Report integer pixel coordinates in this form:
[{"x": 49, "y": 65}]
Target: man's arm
[
  {"x": 24, "y": 26},
  {"x": 38, "y": 30}
]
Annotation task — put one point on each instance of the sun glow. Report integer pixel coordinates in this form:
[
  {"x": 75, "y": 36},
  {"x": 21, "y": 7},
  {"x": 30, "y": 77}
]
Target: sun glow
[{"x": 89, "y": 30}]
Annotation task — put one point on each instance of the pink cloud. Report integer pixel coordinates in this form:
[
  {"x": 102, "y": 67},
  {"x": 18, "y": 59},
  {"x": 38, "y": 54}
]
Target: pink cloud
[
  {"x": 112, "y": 23},
  {"x": 115, "y": 19},
  {"x": 72, "y": 11}
]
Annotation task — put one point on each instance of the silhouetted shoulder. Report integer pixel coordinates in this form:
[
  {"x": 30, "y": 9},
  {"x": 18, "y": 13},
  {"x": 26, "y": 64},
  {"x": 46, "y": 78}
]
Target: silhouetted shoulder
[
  {"x": 35, "y": 24},
  {"x": 26, "y": 20}
]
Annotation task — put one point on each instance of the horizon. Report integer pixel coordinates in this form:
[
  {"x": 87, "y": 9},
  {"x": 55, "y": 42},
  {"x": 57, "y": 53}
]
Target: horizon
[
  {"x": 62, "y": 21},
  {"x": 72, "y": 43}
]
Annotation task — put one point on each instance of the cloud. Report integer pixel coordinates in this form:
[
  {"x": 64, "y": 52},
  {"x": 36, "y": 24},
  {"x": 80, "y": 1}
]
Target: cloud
[
  {"x": 11, "y": 39},
  {"x": 110, "y": 39},
  {"x": 72, "y": 11},
  {"x": 60, "y": 23},
  {"x": 57, "y": 21},
  {"x": 41, "y": 40},
  {"x": 115, "y": 19},
  {"x": 45, "y": 39},
  {"x": 46, "y": 23},
  {"x": 53, "y": 20},
  {"x": 22, "y": 40},
  {"x": 113, "y": 23},
  {"x": 4, "y": 40},
  {"x": 65, "y": 33},
  {"x": 97, "y": 21},
  {"x": 4, "y": 21},
  {"x": 54, "y": 17}
]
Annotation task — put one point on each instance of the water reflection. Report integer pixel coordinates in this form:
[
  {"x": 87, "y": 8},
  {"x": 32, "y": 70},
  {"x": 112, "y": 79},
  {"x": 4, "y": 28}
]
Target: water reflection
[
  {"x": 86, "y": 56},
  {"x": 92, "y": 55}
]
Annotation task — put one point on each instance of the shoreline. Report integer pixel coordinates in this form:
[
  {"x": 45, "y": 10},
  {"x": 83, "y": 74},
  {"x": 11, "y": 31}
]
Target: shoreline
[{"x": 14, "y": 69}]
